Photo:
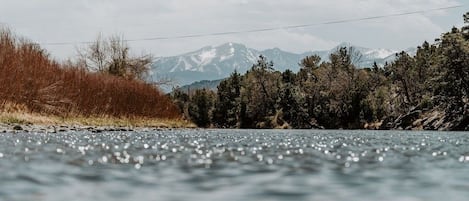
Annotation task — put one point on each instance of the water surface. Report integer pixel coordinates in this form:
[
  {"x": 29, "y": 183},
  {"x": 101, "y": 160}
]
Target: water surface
[{"x": 235, "y": 165}]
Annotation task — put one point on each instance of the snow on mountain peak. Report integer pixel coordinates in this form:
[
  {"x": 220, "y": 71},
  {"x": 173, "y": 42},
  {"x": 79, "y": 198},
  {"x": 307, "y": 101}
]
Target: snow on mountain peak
[
  {"x": 216, "y": 62},
  {"x": 207, "y": 56}
]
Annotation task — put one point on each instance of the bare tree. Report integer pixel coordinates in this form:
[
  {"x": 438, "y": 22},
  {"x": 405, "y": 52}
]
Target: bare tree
[{"x": 111, "y": 56}]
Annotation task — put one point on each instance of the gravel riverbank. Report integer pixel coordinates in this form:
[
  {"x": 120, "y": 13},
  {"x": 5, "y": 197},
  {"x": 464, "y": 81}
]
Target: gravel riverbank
[{"x": 31, "y": 128}]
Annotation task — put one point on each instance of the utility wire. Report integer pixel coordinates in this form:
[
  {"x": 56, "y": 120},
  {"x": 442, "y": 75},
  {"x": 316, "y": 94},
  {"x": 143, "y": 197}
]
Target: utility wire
[{"x": 342, "y": 21}]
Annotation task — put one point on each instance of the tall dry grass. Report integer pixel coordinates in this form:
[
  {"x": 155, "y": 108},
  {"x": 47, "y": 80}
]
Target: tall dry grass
[{"x": 29, "y": 77}]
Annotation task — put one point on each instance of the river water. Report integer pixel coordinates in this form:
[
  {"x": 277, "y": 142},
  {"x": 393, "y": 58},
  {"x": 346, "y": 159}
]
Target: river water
[{"x": 235, "y": 165}]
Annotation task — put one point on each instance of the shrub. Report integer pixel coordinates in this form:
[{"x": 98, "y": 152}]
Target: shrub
[{"x": 29, "y": 77}]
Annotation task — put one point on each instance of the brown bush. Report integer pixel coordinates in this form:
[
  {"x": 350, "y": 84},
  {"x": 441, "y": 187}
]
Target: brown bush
[{"x": 29, "y": 77}]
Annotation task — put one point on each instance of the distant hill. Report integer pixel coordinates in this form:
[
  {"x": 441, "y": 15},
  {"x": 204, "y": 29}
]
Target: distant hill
[
  {"x": 204, "y": 84},
  {"x": 214, "y": 63}
]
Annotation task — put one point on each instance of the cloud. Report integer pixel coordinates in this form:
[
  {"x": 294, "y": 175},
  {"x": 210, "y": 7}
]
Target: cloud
[
  {"x": 74, "y": 21},
  {"x": 293, "y": 41}
]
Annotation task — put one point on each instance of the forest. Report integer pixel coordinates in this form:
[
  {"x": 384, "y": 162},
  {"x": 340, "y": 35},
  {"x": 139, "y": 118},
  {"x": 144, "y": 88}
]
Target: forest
[{"x": 428, "y": 90}]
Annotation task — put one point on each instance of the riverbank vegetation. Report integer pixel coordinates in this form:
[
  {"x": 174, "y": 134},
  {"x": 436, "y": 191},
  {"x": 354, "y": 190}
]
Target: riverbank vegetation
[
  {"x": 428, "y": 90},
  {"x": 33, "y": 83}
]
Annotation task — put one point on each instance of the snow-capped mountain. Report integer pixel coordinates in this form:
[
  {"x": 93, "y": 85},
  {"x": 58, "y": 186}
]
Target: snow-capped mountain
[
  {"x": 208, "y": 63},
  {"x": 211, "y": 63}
]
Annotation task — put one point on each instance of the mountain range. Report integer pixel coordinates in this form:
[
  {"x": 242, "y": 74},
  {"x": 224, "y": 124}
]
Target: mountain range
[{"x": 218, "y": 62}]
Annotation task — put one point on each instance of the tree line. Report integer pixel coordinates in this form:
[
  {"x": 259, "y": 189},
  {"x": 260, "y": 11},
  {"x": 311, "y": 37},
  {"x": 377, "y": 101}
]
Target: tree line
[{"x": 337, "y": 94}]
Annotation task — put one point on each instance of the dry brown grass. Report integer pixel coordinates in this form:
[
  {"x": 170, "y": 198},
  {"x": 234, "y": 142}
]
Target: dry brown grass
[
  {"x": 19, "y": 118},
  {"x": 129, "y": 122},
  {"x": 32, "y": 83}
]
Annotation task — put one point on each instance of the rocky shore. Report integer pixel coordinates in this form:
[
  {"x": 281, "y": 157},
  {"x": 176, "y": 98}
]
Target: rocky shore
[
  {"x": 30, "y": 128},
  {"x": 444, "y": 117}
]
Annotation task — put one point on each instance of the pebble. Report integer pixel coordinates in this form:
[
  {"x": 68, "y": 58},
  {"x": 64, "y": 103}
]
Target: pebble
[
  {"x": 17, "y": 128},
  {"x": 6, "y": 128}
]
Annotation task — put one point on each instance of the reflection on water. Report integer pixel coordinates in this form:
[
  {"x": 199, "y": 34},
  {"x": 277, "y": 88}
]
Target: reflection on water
[{"x": 235, "y": 165}]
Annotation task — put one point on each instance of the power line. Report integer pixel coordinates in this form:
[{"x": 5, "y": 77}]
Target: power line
[{"x": 342, "y": 21}]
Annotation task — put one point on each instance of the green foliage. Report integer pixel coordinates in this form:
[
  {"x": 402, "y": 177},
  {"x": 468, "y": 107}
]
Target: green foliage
[
  {"x": 308, "y": 67},
  {"x": 180, "y": 99},
  {"x": 454, "y": 79},
  {"x": 200, "y": 107},
  {"x": 290, "y": 103},
  {"x": 227, "y": 106},
  {"x": 402, "y": 73},
  {"x": 465, "y": 29},
  {"x": 259, "y": 94},
  {"x": 426, "y": 68},
  {"x": 336, "y": 94}
]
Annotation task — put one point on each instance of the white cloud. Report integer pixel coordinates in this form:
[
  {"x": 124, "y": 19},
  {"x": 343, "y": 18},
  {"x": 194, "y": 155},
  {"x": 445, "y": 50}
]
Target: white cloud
[
  {"x": 292, "y": 41},
  {"x": 70, "y": 21}
]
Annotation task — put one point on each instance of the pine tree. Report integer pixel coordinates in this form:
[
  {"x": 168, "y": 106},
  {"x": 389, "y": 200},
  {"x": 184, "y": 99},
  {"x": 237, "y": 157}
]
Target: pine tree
[
  {"x": 226, "y": 113},
  {"x": 455, "y": 66},
  {"x": 200, "y": 107},
  {"x": 260, "y": 91},
  {"x": 403, "y": 74},
  {"x": 465, "y": 29}
]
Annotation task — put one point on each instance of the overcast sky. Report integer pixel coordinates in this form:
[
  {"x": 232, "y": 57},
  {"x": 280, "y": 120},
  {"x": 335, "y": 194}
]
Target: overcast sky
[{"x": 49, "y": 21}]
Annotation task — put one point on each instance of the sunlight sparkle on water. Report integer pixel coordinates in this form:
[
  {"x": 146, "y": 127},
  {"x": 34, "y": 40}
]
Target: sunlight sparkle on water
[{"x": 263, "y": 165}]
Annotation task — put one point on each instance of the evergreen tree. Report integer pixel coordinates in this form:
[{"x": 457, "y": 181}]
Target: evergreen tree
[
  {"x": 260, "y": 90},
  {"x": 337, "y": 94},
  {"x": 402, "y": 73},
  {"x": 199, "y": 108},
  {"x": 181, "y": 100},
  {"x": 290, "y": 102},
  {"x": 455, "y": 66},
  {"x": 465, "y": 28},
  {"x": 309, "y": 65},
  {"x": 226, "y": 113},
  {"x": 425, "y": 69},
  {"x": 309, "y": 85}
]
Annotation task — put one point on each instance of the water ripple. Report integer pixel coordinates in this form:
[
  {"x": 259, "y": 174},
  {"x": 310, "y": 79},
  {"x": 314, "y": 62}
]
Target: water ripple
[{"x": 249, "y": 164}]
